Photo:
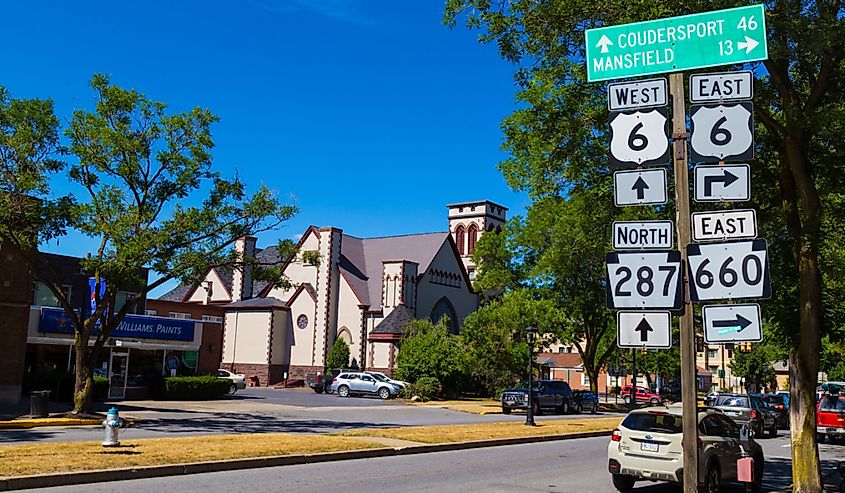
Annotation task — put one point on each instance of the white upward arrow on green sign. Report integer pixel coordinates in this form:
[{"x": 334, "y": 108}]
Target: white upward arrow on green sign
[{"x": 708, "y": 39}]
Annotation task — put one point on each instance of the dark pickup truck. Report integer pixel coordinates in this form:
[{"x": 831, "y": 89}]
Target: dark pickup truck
[
  {"x": 322, "y": 382},
  {"x": 548, "y": 394}
]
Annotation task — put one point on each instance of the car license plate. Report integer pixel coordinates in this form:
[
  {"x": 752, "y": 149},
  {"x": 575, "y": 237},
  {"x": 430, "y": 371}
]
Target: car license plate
[
  {"x": 835, "y": 430},
  {"x": 732, "y": 413},
  {"x": 649, "y": 447}
]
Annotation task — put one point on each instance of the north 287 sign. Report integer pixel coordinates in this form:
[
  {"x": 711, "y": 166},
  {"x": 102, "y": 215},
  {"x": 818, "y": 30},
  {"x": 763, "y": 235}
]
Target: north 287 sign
[{"x": 644, "y": 280}]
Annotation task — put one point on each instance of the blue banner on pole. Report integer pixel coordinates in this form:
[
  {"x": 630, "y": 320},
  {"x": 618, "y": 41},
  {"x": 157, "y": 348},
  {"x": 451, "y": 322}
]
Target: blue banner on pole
[
  {"x": 92, "y": 290},
  {"x": 54, "y": 320}
]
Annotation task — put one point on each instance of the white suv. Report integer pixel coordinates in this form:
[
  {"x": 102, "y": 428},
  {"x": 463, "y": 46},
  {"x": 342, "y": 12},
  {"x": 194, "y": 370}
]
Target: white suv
[{"x": 647, "y": 446}]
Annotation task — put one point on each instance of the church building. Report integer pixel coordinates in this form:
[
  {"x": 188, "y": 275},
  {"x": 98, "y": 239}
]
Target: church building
[{"x": 361, "y": 290}]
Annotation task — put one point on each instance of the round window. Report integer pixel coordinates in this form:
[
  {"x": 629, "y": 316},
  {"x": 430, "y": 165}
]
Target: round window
[{"x": 302, "y": 321}]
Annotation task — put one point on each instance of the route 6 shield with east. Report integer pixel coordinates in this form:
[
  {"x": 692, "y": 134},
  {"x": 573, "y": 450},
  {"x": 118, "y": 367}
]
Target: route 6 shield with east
[
  {"x": 722, "y": 133},
  {"x": 639, "y": 138}
]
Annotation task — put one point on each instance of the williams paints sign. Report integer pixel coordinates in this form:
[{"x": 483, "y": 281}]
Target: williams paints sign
[{"x": 54, "y": 320}]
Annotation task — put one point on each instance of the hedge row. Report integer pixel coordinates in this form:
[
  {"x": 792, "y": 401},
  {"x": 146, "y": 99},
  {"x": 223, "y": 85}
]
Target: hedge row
[{"x": 193, "y": 388}]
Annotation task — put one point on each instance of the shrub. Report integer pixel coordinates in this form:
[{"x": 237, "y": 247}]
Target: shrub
[
  {"x": 426, "y": 388},
  {"x": 338, "y": 356},
  {"x": 430, "y": 350},
  {"x": 194, "y": 388},
  {"x": 101, "y": 388}
]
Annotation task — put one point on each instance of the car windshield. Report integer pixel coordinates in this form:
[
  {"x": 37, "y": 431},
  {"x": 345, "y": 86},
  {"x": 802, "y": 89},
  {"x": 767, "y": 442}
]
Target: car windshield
[
  {"x": 380, "y": 378},
  {"x": 832, "y": 403},
  {"x": 774, "y": 399},
  {"x": 659, "y": 423},
  {"x": 732, "y": 401},
  {"x": 524, "y": 385}
]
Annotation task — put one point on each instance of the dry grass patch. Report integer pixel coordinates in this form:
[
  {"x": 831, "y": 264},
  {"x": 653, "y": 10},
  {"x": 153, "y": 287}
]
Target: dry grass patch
[
  {"x": 488, "y": 431},
  {"x": 45, "y": 458},
  {"x": 470, "y": 405}
]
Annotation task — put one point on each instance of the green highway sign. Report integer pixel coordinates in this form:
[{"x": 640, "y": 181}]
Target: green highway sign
[{"x": 708, "y": 39}]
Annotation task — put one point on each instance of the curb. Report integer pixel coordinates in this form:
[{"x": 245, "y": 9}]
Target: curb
[
  {"x": 87, "y": 477},
  {"x": 22, "y": 424}
]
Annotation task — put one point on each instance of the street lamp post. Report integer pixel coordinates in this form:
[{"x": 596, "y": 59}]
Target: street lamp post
[{"x": 531, "y": 335}]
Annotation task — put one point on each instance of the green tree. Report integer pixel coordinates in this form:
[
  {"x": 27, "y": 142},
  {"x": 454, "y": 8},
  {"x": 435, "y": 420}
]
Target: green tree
[
  {"x": 494, "y": 338},
  {"x": 431, "y": 350},
  {"x": 338, "y": 356},
  {"x": 141, "y": 186},
  {"x": 755, "y": 367},
  {"x": 559, "y": 130}
]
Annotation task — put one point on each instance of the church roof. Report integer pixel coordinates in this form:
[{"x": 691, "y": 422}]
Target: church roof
[
  {"x": 395, "y": 321},
  {"x": 269, "y": 302},
  {"x": 362, "y": 258}
]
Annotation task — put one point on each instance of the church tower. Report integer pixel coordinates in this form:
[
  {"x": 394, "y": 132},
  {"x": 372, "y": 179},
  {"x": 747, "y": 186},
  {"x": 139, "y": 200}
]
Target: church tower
[{"x": 468, "y": 221}]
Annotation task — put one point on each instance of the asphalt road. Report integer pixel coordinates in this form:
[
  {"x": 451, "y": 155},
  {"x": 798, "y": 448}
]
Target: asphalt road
[
  {"x": 572, "y": 466},
  {"x": 263, "y": 410}
]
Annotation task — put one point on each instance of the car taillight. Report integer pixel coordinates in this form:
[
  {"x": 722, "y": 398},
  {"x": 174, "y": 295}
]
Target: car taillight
[
  {"x": 700, "y": 442},
  {"x": 753, "y": 414},
  {"x": 616, "y": 436},
  {"x": 334, "y": 379}
]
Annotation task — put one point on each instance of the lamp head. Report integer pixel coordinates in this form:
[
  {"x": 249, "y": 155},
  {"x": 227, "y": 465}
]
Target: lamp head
[{"x": 531, "y": 333}]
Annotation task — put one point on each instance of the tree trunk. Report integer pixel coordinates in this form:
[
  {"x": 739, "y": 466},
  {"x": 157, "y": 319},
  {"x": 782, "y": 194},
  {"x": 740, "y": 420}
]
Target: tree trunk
[
  {"x": 803, "y": 376},
  {"x": 593, "y": 375},
  {"x": 84, "y": 385}
]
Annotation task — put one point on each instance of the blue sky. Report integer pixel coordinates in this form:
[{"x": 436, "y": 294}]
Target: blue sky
[{"x": 372, "y": 114}]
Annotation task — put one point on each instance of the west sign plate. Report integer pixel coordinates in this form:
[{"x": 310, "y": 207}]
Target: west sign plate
[
  {"x": 676, "y": 44},
  {"x": 724, "y": 225},
  {"x": 724, "y": 86},
  {"x": 640, "y": 94},
  {"x": 638, "y": 329},
  {"x": 639, "y": 187},
  {"x": 725, "y": 271},
  {"x": 726, "y": 183},
  {"x": 642, "y": 235},
  {"x": 731, "y": 323},
  {"x": 644, "y": 280}
]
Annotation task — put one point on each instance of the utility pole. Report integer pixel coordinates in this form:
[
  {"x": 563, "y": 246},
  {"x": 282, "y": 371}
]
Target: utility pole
[{"x": 689, "y": 397}]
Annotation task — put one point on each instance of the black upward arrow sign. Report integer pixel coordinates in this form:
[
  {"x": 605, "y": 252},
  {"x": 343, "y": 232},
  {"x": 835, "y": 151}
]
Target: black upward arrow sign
[
  {"x": 643, "y": 328},
  {"x": 726, "y": 179},
  {"x": 640, "y": 186}
]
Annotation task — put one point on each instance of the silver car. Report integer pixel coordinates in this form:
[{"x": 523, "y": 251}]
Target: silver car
[
  {"x": 381, "y": 377},
  {"x": 238, "y": 380},
  {"x": 349, "y": 383}
]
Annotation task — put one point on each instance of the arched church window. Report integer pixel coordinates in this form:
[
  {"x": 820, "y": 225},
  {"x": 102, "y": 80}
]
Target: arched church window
[
  {"x": 459, "y": 238},
  {"x": 472, "y": 237},
  {"x": 443, "y": 308}
]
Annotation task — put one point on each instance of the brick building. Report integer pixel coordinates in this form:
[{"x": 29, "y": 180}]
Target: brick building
[
  {"x": 211, "y": 347},
  {"x": 15, "y": 298}
]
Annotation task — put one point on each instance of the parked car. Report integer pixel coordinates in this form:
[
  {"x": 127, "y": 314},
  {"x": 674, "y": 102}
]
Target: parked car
[
  {"x": 584, "y": 400},
  {"x": 830, "y": 417},
  {"x": 321, "y": 382},
  {"x": 238, "y": 380},
  {"x": 710, "y": 398},
  {"x": 547, "y": 394},
  {"x": 780, "y": 404},
  {"x": 643, "y": 395},
  {"x": 647, "y": 447},
  {"x": 750, "y": 410},
  {"x": 381, "y": 377},
  {"x": 349, "y": 383}
]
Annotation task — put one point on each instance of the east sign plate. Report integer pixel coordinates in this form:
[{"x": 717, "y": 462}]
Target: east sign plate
[
  {"x": 725, "y": 271},
  {"x": 722, "y": 86},
  {"x": 644, "y": 280},
  {"x": 675, "y": 44},
  {"x": 724, "y": 225}
]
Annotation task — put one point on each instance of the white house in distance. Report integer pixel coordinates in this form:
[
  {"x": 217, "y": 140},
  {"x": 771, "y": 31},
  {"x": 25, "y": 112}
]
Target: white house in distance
[{"x": 363, "y": 290}]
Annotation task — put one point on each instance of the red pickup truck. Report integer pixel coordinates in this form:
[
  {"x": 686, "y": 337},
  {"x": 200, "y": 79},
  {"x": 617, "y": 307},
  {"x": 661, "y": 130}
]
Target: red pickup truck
[
  {"x": 830, "y": 417},
  {"x": 643, "y": 395}
]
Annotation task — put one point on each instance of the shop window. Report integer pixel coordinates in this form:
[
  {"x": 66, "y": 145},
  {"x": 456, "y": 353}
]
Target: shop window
[{"x": 42, "y": 296}]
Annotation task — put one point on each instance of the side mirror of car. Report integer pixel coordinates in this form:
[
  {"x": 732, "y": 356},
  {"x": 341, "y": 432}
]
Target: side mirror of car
[{"x": 745, "y": 433}]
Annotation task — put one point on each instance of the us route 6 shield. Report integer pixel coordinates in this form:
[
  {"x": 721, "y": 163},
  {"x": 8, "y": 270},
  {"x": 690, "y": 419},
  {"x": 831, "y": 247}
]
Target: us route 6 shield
[
  {"x": 639, "y": 138},
  {"x": 722, "y": 133}
]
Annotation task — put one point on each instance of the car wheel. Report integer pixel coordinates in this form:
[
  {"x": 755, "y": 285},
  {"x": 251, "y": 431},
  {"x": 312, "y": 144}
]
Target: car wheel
[
  {"x": 821, "y": 438},
  {"x": 627, "y": 399},
  {"x": 623, "y": 483},
  {"x": 579, "y": 408},
  {"x": 233, "y": 388},
  {"x": 343, "y": 391},
  {"x": 713, "y": 479},
  {"x": 654, "y": 401},
  {"x": 536, "y": 408},
  {"x": 595, "y": 409},
  {"x": 773, "y": 431},
  {"x": 565, "y": 407},
  {"x": 759, "y": 471},
  {"x": 506, "y": 410},
  {"x": 318, "y": 389},
  {"x": 384, "y": 393}
]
